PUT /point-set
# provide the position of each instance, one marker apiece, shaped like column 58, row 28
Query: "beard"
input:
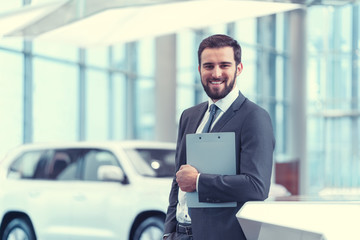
column 217, row 93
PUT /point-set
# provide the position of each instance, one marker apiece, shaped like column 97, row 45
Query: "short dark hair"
column 219, row 41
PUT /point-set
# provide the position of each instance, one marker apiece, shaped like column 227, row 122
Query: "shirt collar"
column 225, row 102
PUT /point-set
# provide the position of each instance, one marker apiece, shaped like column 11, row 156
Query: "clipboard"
column 212, row 153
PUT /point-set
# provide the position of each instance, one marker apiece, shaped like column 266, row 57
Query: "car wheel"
column 150, row 229
column 19, row 229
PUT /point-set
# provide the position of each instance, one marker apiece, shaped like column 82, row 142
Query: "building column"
column 28, row 90
column 82, row 95
column 28, row 93
column 165, row 88
column 297, row 126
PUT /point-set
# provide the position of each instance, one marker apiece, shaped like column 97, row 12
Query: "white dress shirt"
column 182, row 215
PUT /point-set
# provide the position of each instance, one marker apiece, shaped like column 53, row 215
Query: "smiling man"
column 218, row 71
column 220, row 64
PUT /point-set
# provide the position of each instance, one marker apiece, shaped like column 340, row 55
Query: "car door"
column 38, row 194
column 96, row 213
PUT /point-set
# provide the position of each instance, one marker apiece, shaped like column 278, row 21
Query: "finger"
column 178, row 178
column 178, row 174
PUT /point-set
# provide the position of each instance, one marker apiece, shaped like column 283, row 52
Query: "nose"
column 217, row 72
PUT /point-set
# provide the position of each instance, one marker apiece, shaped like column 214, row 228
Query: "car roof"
column 100, row 144
column 110, row 145
column 106, row 145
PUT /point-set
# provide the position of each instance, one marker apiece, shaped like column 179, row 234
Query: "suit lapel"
column 235, row 106
column 198, row 115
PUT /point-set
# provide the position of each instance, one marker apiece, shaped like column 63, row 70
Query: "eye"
column 225, row 65
column 208, row 67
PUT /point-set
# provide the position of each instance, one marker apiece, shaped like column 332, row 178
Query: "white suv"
column 85, row 191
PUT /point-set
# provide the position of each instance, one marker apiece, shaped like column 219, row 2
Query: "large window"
column 55, row 102
column 97, row 105
column 333, row 87
column 118, row 119
column 145, row 90
column 11, row 100
column 11, row 88
column 187, row 74
column 58, row 92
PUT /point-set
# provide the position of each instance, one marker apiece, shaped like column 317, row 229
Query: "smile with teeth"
column 216, row 82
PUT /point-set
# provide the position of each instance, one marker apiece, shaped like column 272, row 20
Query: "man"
column 220, row 64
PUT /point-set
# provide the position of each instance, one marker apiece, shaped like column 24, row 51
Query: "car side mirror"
column 111, row 173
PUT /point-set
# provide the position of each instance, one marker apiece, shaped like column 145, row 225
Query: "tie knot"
column 213, row 109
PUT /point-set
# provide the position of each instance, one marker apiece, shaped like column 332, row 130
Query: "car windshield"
column 153, row 162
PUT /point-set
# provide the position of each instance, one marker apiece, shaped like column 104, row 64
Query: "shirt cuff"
column 197, row 182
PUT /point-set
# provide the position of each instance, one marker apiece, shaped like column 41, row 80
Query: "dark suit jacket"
column 254, row 153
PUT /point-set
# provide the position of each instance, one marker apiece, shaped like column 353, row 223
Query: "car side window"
column 55, row 164
column 93, row 160
column 25, row 166
column 60, row 166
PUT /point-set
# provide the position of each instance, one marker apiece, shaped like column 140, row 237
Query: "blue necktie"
column 213, row 110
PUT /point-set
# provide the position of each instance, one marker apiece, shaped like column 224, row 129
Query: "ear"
column 199, row 68
column 239, row 69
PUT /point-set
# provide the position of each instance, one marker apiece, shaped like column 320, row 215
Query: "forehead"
column 214, row 55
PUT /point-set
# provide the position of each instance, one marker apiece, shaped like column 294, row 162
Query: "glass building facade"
column 58, row 92
column 333, row 96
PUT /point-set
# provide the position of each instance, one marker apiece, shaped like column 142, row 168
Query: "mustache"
column 217, row 79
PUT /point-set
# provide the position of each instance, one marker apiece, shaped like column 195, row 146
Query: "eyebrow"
column 211, row 63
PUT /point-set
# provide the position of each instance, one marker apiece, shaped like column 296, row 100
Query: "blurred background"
column 301, row 64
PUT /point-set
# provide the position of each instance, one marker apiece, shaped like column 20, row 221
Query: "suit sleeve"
column 170, row 220
column 255, row 152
